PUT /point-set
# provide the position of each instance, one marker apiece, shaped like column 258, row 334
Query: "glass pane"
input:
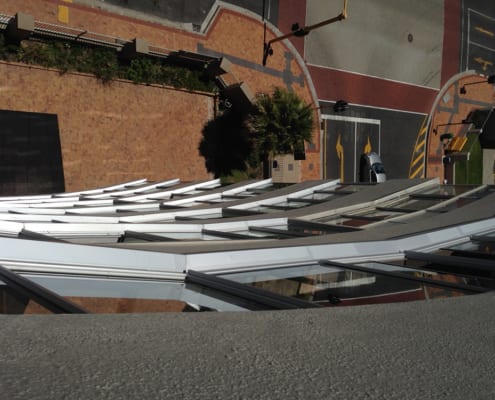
column 349, row 188
column 461, row 202
column 449, row 190
column 416, row 204
column 318, row 196
column 475, row 247
column 107, row 305
column 355, row 221
column 14, row 302
column 436, row 276
column 119, row 295
column 330, row 286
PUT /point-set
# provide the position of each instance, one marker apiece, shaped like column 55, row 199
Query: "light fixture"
column 490, row 80
column 446, row 136
column 340, row 106
column 463, row 122
column 297, row 31
column 334, row 300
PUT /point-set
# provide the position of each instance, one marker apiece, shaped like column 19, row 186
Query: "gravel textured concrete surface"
column 442, row 349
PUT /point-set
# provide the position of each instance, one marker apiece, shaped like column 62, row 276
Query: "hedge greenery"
column 102, row 62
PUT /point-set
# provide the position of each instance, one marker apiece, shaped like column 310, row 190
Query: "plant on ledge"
column 102, row 62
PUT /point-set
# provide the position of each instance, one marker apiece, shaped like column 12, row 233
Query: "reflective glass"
column 418, row 204
column 330, row 286
column 436, row 276
column 121, row 295
column 449, row 190
column 14, row 302
column 319, row 196
column 477, row 246
column 458, row 203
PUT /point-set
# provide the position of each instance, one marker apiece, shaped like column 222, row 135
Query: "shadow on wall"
column 225, row 144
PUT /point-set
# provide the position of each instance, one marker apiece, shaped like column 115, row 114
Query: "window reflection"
column 15, row 302
column 329, row 286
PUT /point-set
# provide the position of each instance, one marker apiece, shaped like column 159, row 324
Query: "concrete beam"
column 219, row 67
column 239, row 93
column 20, row 27
column 137, row 47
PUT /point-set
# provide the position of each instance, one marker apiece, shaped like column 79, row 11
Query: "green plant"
column 143, row 70
column 470, row 171
column 244, row 140
column 234, row 176
column 102, row 62
column 35, row 53
column 281, row 122
column 105, row 64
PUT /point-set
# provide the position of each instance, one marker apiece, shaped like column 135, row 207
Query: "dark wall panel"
column 30, row 154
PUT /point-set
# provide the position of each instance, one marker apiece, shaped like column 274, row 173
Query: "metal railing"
column 63, row 32
column 4, row 21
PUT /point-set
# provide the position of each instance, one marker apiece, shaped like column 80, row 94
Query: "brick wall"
column 113, row 132
column 234, row 35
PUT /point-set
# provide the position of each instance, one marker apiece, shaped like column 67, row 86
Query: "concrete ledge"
column 441, row 349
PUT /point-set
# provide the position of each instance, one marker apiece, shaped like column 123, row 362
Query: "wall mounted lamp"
column 463, row 122
column 490, row 80
column 340, row 106
column 446, row 136
column 297, row 31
